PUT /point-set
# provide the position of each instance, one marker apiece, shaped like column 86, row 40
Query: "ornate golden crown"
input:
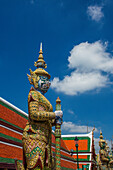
column 101, row 137
column 41, row 65
column 40, row 62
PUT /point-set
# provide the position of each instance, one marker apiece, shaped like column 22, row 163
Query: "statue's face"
column 40, row 83
column 43, row 84
column 103, row 145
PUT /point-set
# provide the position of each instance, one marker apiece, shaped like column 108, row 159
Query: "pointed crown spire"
column 41, row 46
column 40, row 63
column 101, row 137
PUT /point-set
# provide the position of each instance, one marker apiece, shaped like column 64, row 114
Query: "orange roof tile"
column 12, row 117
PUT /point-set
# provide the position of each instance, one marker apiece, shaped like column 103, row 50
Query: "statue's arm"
column 103, row 158
column 35, row 114
column 111, row 162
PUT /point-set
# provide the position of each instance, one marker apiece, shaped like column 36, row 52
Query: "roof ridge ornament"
column 93, row 130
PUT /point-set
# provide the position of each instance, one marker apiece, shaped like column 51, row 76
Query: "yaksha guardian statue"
column 104, row 157
column 37, row 133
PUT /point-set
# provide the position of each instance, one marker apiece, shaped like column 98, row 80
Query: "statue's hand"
column 58, row 116
column 59, row 113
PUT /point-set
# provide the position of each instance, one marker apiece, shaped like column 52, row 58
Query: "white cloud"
column 71, row 112
column 79, row 83
column 88, row 61
column 70, row 127
column 91, row 57
column 95, row 12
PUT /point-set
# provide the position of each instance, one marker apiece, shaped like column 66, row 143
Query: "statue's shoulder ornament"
column 33, row 95
column 45, row 101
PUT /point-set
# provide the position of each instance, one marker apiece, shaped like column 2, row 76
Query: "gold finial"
column 101, row 137
column 58, row 100
column 58, row 104
column 40, row 63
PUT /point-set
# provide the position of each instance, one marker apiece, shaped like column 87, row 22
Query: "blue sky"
column 78, row 49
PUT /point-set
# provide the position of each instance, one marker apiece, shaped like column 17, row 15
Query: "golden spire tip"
column 58, row 100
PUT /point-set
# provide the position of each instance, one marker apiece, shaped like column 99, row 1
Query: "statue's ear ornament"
column 37, row 78
column 31, row 72
column 30, row 79
column 45, row 65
